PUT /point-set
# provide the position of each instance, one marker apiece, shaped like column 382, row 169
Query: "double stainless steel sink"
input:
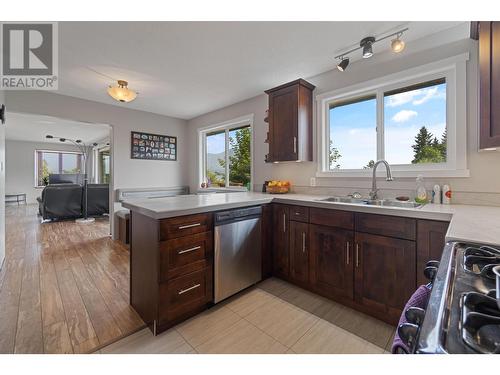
column 372, row 202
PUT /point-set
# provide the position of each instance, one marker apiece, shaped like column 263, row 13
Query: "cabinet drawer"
column 185, row 294
column 299, row 213
column 180, row 256
column 332, row 218
column 185, row 225
column 390, row 226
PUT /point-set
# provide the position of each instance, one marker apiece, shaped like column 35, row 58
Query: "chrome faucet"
column 373, row 192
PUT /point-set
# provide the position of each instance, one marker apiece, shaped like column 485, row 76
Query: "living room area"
column 63, row 166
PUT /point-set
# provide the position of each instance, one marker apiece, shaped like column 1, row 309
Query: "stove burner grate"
column 480, row 322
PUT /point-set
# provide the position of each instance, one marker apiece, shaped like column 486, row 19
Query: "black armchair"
column 98, row 199
column 61, row 201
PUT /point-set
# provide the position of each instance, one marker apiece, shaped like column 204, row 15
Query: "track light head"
column 397, row 44
column 342, row 65
column 62, row 139
column 48, row 136
column 366, row 43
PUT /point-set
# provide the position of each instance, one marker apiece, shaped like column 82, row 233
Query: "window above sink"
column 415, row 119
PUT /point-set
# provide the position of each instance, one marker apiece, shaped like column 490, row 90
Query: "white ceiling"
column 34, row 128
column 185, row 69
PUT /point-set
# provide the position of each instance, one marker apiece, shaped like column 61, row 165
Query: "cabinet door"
column 489, row 78
column 332, row 260
column 430, row 244
column 384, row 272
column 281, row 257
column 283, row 108
column 299, row 252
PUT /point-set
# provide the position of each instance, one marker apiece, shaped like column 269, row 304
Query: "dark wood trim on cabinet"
column 384, row 225
column 290, row 117
column 489, row 82
column 430, row 244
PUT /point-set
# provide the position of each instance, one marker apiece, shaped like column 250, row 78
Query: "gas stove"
column 463, row 315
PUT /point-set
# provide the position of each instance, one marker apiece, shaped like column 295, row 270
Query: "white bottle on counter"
column 446, row 194
column 436, row 194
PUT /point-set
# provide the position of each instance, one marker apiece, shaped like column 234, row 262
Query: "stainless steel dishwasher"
column 238, row 251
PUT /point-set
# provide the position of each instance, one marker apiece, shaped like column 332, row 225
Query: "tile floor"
column 272, row 317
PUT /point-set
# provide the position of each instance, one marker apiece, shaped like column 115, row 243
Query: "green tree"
column 45, row 173
column 423, row 138
column 431, row 154
column 334, row 156
column 240, row 158
column 370, row 165
column 443, row 144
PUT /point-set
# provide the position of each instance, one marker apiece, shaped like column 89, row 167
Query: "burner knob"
column 432, row 263
column 408, row 334
column 430, row 272
column 415, row 315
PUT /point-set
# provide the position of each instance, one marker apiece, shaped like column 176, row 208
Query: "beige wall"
column 127, row 172
column 20, row 166
column 2, row 186
column 483, row 179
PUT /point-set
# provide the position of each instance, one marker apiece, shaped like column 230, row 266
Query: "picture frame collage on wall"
column 149, row 146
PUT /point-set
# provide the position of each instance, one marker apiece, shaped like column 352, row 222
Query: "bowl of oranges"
column 278, row 187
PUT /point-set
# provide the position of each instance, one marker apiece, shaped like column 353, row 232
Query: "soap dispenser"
column 421, row 193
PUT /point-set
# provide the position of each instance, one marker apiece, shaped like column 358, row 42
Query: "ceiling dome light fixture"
column 121, row 92
column 366, row 44
column 397, row 44
column 342, row 65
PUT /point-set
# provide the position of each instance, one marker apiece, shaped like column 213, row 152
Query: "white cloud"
column 404, row 115
column 427, row 95
column 402, row 98
column 416, row 97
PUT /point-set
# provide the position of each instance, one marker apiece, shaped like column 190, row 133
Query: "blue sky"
column 352, row 127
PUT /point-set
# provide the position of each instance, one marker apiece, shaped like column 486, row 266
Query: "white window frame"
column 53, row 152
column 226, row 126
column 453, row 69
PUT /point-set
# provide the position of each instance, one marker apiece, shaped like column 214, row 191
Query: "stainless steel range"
column 463, row 313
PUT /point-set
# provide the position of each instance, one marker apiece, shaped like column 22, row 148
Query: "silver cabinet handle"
column 284, row 222
column 303, row 242
column 190, row 226
column 357, row 255
column 295, row 145
column 347, row 251
column 188, row 289
column 189, row 250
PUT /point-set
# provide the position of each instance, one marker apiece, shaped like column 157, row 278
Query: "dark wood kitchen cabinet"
column 171, row 268
column 489, row 82
column 430, row 244
column 299, row 252
column 384, row 272
column 281, row 240
column 331, row 261
column 290, row 122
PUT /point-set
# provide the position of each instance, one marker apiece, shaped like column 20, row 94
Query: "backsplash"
column 459, row 197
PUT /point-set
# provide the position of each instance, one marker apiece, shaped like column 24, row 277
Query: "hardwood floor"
column 64, row 287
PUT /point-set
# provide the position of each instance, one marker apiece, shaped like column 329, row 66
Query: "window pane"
column 216, row 159
column 239, row 157
column 415, row 124
column 70, row 163
column 353, row 134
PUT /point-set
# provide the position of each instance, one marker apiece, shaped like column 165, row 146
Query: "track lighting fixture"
column 342, row 65
column 397, row 44
column 366, row 44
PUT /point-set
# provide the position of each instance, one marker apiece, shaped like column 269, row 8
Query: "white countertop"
column 467, row 223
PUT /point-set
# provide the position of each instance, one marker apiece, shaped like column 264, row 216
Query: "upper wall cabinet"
column 489, row 80
column 290, row 122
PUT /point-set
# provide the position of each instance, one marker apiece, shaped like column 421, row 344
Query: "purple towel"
column 419, row 299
